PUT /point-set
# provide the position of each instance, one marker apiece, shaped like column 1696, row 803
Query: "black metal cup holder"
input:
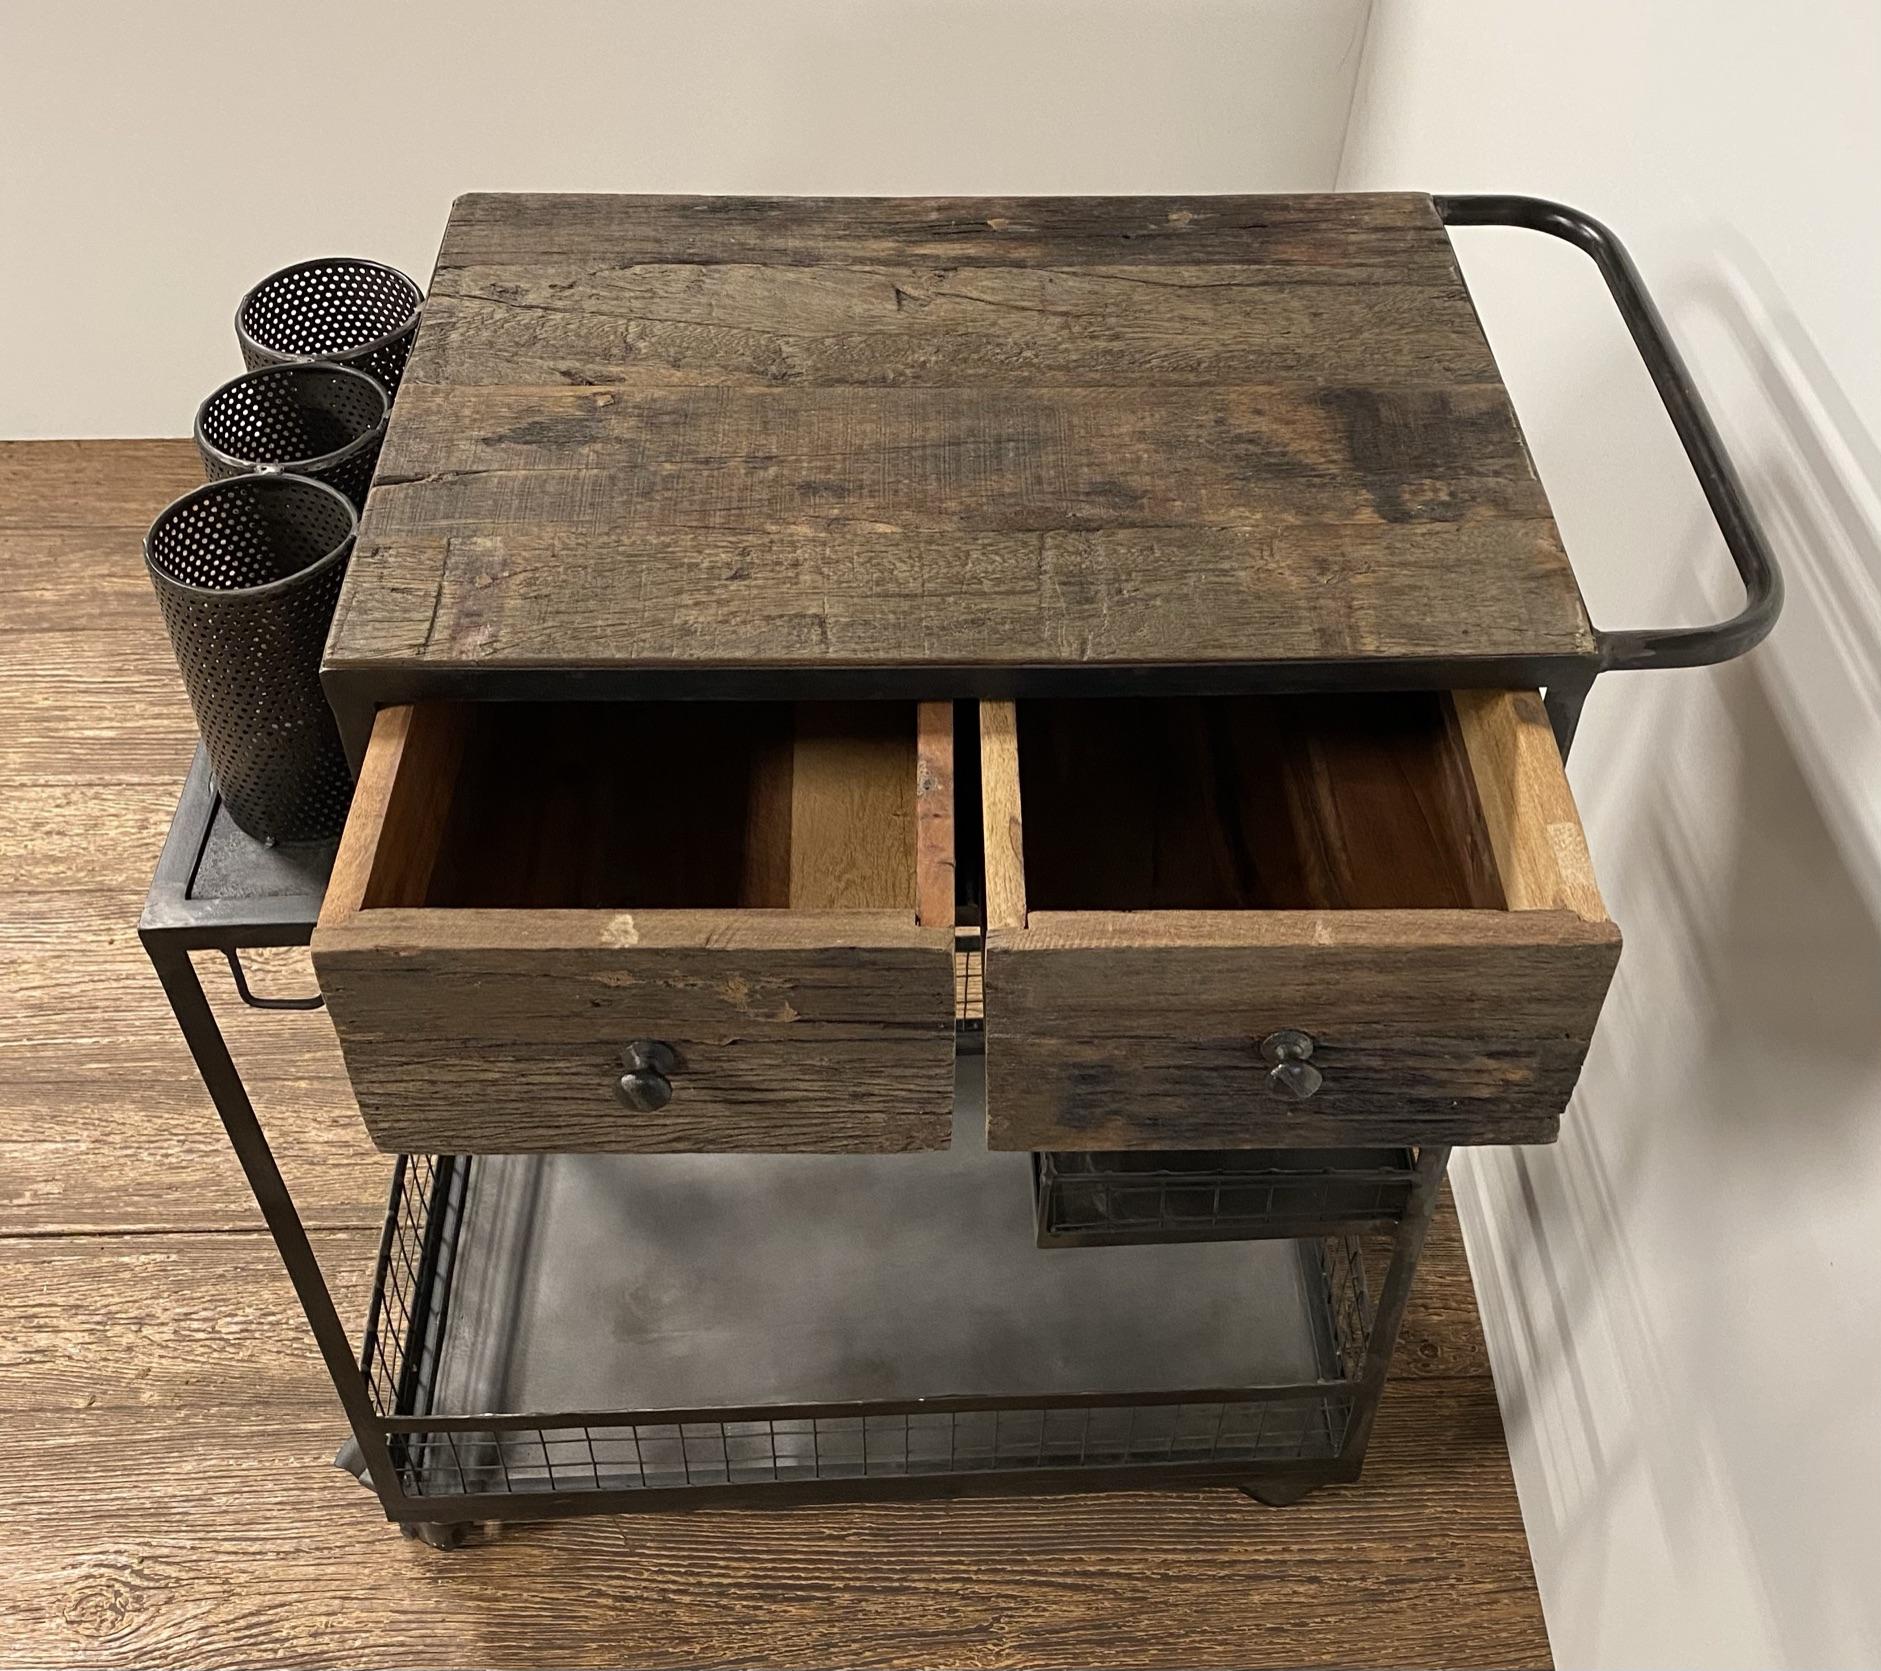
column 318, row 420
column 340, row 309
column 247, row 571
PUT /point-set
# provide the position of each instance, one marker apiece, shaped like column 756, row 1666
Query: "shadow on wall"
column 1823, row 505
column 1699, row 1253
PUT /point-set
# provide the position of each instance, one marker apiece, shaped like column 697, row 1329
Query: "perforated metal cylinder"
column 247, row 571
column 323, row 421
column 338, row 308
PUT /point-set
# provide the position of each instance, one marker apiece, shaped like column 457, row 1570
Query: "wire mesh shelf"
column 632, row 1456
column 1124, row 1198
column 440, row 1455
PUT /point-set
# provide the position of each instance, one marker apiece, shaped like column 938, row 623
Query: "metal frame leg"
column 1394, row 1296
column 223, row 1081
column 1407, row 1248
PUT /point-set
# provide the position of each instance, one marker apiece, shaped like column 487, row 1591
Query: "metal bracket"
column 242, row 991
column 1640, row 648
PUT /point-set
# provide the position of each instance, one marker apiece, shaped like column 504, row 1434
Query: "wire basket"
column 247, row 571
column 440, row 1451
column 323, row 421
column 1149, row 1196
column 338, row 308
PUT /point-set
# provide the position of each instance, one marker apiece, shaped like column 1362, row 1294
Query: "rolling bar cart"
column 1005, row 1190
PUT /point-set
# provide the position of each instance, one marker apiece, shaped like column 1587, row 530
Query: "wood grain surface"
column 1528, row 811
column 680, row 434
column 166, row 1494
column 935, row 892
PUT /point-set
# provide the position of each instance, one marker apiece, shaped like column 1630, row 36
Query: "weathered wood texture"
column 934, row 880
column 802, row 434
column 815, row 1019
column 166, row 1498
column 1330, row 877
column 1265, row 803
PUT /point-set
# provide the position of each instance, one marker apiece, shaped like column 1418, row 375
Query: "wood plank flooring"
column 166, row 1494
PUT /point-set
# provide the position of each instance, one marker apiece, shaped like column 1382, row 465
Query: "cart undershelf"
column 741, row 1320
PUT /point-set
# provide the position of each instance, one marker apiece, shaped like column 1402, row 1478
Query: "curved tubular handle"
column 1743, row 535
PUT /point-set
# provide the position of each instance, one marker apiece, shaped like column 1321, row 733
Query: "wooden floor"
column 166, row 1494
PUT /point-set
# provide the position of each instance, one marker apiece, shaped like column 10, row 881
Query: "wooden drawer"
column 1401, row 879
column 764, row 890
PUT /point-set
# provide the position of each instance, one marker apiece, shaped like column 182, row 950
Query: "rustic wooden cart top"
column 965, row 441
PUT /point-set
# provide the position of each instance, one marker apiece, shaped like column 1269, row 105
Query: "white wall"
column 158, row 159
column 1684, row 1296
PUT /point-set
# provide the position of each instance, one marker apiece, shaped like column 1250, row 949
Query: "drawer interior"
column 656, row 805
column 1262, row 803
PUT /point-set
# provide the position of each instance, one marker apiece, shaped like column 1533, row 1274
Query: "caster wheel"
column 438, row 1534
column 1277, row 1494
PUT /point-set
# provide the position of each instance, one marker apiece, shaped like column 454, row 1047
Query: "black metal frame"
column 356, row 693
column 179, row 919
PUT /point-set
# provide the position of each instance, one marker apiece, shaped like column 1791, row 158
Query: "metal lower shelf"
column 678, row 1322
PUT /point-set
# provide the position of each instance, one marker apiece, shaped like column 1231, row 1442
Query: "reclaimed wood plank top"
column 1037, row 433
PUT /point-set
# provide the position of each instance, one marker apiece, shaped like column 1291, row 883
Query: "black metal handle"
column 1743, row 534
column 1290, row 1070
column 645, row 1087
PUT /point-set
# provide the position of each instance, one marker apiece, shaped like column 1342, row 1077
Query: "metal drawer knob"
column 645, row 1087
column 1291, row 1073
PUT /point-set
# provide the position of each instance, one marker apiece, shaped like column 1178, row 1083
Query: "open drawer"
column 1260, row 922
column 648, row 926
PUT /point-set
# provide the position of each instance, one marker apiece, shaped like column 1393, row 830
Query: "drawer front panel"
column 1421, row 1039
column 812, row 1048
